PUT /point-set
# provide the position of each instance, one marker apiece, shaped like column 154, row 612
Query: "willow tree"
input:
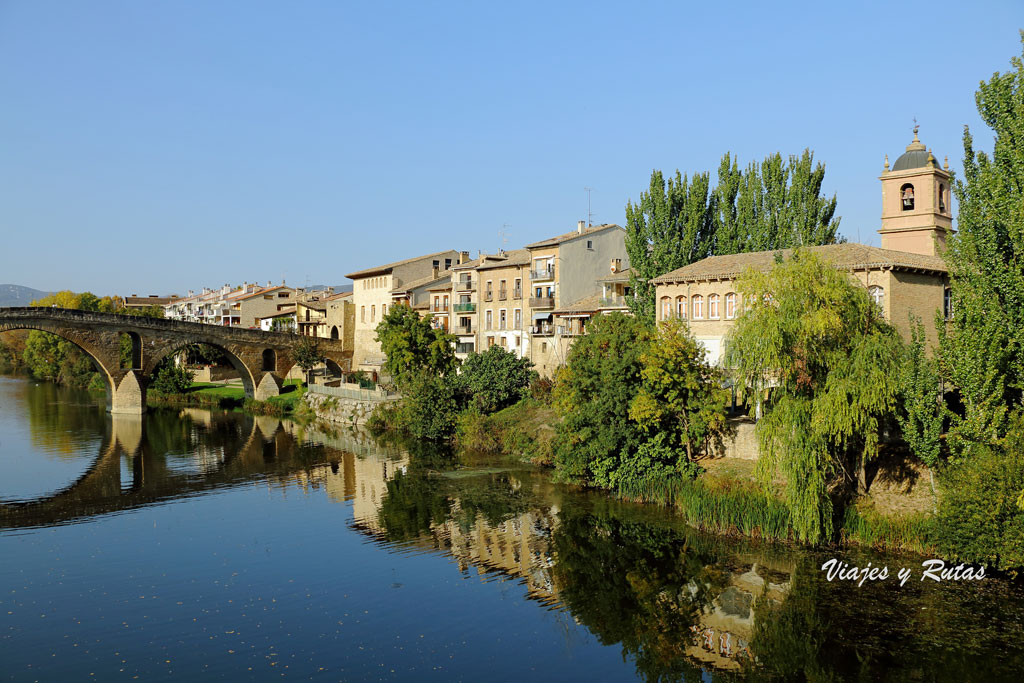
column 982, row 350
column 815, row 348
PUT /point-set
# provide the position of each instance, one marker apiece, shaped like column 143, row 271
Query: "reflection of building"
column 725, row 628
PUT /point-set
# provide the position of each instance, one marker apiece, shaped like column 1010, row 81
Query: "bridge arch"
column 248, row 382
column 99, row 357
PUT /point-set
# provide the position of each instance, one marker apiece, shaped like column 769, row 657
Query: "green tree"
column 308, row 355
column 495, row 379
column 681, row 401
column 411, row 345
column 596, row 440
column 171, row 378
column 670, row 227
column 822, row 346
column 920, row 411
column 982, row 352
column 776, row 204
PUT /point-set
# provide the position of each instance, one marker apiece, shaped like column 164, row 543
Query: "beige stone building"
column 905, row 276
column 504, row 302
column 341, row 318
column 565, row 289
column 372, row 290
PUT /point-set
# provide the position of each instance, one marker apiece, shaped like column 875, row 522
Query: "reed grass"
column 725, row 508
column 917, row 532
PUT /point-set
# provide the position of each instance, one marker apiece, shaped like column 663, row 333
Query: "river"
column 215, row 545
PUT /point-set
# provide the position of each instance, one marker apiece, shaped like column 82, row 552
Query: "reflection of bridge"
column 228, row 452
column 262, row 359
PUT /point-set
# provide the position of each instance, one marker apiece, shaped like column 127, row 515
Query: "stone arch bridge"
column 262, row 359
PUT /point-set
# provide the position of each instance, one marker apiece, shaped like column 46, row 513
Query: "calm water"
column 214, row 545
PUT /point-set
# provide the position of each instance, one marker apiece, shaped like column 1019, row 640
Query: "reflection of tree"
column 636, row 584
column 62, row 420
column 881, row 632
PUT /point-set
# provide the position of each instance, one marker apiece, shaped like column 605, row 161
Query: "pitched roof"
column 588, row 304
column 621, row 276
column 241, row 296
column 389, row 266
column 339, row 295
column 516, row 257
column 572, row 235
column 415, row 284
column 849, row 255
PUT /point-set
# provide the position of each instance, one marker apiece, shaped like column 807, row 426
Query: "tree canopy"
column 982, row 351
column 815, row 343
column 775, row 204
column 412, row 345
column 495, row 379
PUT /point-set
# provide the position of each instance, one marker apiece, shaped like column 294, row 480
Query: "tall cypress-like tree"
column 774, row 204
column 982, row 350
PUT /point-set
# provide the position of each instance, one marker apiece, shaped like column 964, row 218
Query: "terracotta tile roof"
column 849, row 256
column 444, row 275
column 588, row 304
column 572, row 235
column 389, row 266
column 339, row 295
column 443, row 287
column 516, row 257
column 241, row 295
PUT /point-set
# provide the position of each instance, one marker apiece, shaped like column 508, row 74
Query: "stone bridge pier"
column 262, row 359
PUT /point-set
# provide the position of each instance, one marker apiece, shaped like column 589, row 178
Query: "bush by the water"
column 494, row 379
column 172, row 379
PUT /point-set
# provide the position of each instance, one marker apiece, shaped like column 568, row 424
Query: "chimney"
column 616, row 265
column 463, row 256
column 437, row 271
column 580, row 225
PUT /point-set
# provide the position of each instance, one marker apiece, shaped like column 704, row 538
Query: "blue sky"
column 156, row 147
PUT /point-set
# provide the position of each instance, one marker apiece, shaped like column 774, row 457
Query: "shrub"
column 171, row 379
column 494, row 379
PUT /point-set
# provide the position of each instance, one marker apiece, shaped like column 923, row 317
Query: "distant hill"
column 338, row 289
column 16, row 295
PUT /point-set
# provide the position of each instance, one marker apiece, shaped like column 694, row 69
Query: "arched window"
column 713, row 307
column 907, row 197
column 666, row 308
column 947, row 303
column 877, row 295
column 942, row 198
column 698, row 307
column 730, row 306
column 681, row 307
column 334, row 332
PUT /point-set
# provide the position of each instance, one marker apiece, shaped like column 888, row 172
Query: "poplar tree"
column 982, row 349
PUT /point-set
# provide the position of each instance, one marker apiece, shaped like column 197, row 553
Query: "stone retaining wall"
column 741, row 443
column 350, row 411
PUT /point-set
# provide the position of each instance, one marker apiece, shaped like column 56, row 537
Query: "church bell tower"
column 916, row 211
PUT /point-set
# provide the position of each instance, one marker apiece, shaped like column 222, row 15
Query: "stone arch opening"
column 333, row 369
column 269, row 360
column 334, row 332
column 131, row 351
column 105, row 374
column 248, row 383
column 907, row 197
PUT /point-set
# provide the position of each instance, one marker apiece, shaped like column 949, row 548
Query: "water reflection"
column 677, row 604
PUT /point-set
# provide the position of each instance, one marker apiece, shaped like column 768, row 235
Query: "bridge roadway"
column 262, row 359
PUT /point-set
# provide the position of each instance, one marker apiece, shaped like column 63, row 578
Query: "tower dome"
column 916, row 156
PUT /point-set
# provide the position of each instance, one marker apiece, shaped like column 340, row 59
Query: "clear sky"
column 154, row 147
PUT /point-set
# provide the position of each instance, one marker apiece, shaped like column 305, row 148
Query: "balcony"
column 543, row 274
column 464, row 347
column 542, row 302
column 545, row 330
column 464, row 286
column 502, row 295
column 613, row 302
column 439, row 310
column 517, row 294
column 463, row 329
column 488, row 296
column 465, row 308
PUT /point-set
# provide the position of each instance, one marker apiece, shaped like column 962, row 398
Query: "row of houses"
column 535, row 301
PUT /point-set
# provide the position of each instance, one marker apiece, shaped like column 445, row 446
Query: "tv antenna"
column 590, row 214
column 502, row 236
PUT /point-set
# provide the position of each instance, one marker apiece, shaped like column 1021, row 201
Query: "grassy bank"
column 233, row 396
column 522, row 430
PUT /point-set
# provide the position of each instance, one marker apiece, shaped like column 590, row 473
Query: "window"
column 666, row 308
column 590, row 244
column 437, row 303
column 362, row 314
column 283, row 295
column 543, row 347
column 490, row 342
column 517, row 319
column 517, row 291
column 877, row 295
column 446, row 302
column 698, row 307
column 713, row 307
column 907, row 197
column 501, row 319
column 504, row 341
column 268, row 297
column 447, row 264
column 373, row 313
column 437, row 264
column 730, row 306
column 488, row 318
column 947, row 303
column 681, row 307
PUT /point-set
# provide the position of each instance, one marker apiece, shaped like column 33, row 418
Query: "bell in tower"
column 915, row 202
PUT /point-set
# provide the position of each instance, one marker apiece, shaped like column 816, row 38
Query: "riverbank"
column 227, row 396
